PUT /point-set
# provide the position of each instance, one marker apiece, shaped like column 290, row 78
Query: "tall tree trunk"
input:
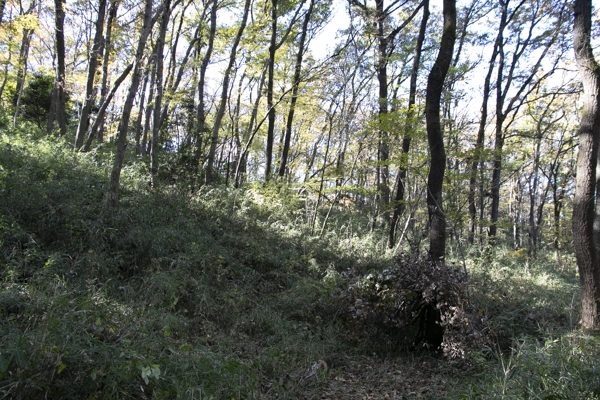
column 59, row 99
column 584, row 227
column 97, row 130
column 209, row 174
column 201, row 127
column 115, row 175
column 22, row 70
column 100, row 118
column 270, row 84
column 295, row 87
column 22, row 63
column 383, row 149
column 435, row 179
column 2, row 5
column 96, row 53
column 409, row 128
column 240, row 169
column 158, row 93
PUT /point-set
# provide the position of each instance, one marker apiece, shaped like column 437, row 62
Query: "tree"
column 95, row 55
column 115, row 175
column 409, row 127
column 295, row 87
column 209, row 175
column 385, row 44
column 274, row 45
column 586, row 217
column 159, row 88
column 58, row 108
column 435, row 179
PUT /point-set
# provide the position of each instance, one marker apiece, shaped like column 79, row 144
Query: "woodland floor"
column 223, row 294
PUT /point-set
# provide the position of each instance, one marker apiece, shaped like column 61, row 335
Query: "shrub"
column 415, row 301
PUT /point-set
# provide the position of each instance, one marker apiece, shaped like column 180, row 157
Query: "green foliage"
column 225, row 293
column 36, row 99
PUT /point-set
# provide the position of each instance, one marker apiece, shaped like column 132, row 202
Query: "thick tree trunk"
column 585, row 182
column 59, row 99
column 435, row 179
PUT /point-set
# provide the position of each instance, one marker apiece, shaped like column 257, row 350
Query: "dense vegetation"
column 226, row 293
column 219, row 199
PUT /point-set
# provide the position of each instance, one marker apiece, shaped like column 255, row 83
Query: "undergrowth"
column 231, row 293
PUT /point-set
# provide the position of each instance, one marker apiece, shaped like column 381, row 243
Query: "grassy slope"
column 225, row 295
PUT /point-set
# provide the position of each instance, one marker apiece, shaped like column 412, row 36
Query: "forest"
column 299, row 199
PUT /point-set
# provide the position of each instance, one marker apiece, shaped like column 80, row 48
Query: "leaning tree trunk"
column 210, row 174
column 95, row 54
column 295, row 88
column 585, row 182
column 115, row 175
column 435, row 179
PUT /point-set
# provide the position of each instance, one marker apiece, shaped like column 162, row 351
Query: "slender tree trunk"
column 22, row 70
column 115, row 175
column 240, row 170
column 383, row 150
column 270, row 84
column 158, row 94
column 201, row 128
column 97, row 130
column 295, row 87
column 60, row 95
column 95, row 55
column 100, row 118
column 22, row 64
column 209, row 174
column 584, row 216
column 139, row 126
column 410, row 125
column 435, row 179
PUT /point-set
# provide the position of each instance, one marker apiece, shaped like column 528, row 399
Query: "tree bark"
column 201, row 127
column 409, row 128
column 115, row 175
column 435, row 179
column 295, row 87
column 270, row 84
column 158, row 93
column 96, row 53
column 59, row 99
column 209, row 174
column 100, row 118
column 585, row 182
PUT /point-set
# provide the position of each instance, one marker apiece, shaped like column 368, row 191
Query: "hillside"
column 228, row 293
